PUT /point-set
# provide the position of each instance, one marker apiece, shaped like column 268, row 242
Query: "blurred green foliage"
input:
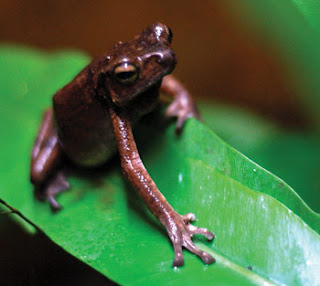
column 291, row 30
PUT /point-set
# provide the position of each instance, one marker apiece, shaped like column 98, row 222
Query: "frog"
column 92, row 119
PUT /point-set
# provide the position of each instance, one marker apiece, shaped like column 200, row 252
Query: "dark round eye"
column 126, row 73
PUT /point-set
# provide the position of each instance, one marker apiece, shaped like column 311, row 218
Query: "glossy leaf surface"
column 291, row 155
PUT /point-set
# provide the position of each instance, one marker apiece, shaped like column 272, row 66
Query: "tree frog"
column 92, row 117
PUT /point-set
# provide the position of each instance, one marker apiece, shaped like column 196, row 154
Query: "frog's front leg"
column 46, row 157
column 183, row 106
column 178, row 227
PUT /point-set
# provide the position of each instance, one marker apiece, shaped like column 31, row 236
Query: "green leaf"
column 259, row 220
column 310, row 10
column 291, row 155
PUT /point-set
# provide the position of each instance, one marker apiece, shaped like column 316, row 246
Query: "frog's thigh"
column 46, row 152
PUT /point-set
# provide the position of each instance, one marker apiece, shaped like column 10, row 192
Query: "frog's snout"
column 167, row 58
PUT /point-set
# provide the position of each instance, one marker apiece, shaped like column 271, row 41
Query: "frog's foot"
column 181, row 231
column 55, row 185
column 182, row 109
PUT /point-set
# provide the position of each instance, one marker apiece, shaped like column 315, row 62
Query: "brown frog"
column 92, row 119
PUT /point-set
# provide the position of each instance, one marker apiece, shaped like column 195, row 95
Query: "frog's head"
column 132, row 68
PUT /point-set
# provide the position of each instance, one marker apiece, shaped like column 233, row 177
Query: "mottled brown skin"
column 92, row 118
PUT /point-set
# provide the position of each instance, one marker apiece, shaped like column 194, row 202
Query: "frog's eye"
column 126, row 73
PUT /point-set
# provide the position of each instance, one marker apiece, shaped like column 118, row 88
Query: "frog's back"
column 83, row 124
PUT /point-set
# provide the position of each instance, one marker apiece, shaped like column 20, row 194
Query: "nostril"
column 164, row 58
column 159, row 57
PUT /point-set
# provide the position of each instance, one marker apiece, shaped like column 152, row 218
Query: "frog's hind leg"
column 46, row 160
